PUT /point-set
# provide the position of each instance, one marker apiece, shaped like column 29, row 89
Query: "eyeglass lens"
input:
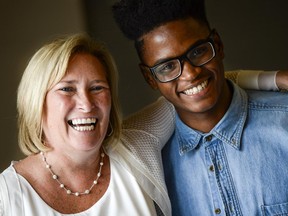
column 172, row 69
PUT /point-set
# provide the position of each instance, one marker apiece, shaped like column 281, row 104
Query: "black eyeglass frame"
column 183, row 57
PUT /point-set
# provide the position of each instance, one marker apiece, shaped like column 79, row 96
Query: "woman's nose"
column 86, row 102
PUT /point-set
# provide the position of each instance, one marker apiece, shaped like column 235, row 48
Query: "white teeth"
column 85, row 124
column 196, row 89
column 84, row 128
column 83, row 121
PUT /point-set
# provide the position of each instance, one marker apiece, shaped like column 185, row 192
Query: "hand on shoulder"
column 282, row 79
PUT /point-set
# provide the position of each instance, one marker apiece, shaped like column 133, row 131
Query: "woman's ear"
column 218, row 45
column 148, row 76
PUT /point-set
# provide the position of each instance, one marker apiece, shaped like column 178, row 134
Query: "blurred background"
column 254, row 35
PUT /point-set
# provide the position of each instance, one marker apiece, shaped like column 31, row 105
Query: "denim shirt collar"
column 229, row 129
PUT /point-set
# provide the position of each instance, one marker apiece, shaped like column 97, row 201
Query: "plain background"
column 254, row 35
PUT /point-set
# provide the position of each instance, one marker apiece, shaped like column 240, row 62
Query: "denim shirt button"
column 208, row 138
column 218, row 211
column 211, row 168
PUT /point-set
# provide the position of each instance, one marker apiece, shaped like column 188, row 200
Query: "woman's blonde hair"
column 46, row 68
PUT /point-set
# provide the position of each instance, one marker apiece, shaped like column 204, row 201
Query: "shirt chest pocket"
column 275, row 210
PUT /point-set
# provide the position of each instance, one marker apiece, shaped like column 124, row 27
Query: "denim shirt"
column 239, row 168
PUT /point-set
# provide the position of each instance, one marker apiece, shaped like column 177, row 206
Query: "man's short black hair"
column 138, row 17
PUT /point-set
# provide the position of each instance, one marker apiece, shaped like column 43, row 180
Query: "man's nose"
column 189, row 72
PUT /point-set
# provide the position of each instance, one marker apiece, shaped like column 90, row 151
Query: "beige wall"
column 25, row 26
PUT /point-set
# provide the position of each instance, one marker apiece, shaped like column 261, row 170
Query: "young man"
column 229, row 152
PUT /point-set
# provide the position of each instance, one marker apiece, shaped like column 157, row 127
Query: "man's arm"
column 282, row 79
column 259, row 80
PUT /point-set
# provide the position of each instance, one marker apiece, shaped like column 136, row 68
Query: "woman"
column 69, row 124
column 79, row 160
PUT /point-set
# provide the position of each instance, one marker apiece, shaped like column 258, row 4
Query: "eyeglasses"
column 197, row 55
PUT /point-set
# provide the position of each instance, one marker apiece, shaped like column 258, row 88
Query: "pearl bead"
column 55, row 177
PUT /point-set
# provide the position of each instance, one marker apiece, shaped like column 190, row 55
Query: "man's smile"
column 196, row 89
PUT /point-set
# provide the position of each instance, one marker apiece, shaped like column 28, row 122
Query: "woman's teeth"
column 85, row 124
column 84, row 121
column 84, row 128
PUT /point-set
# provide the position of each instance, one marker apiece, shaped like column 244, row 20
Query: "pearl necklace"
column 68, row 191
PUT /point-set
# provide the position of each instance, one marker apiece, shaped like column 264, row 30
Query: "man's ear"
column 219, row 45
column 148, row 76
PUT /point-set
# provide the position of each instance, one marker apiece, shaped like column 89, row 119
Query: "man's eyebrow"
column 163, row 60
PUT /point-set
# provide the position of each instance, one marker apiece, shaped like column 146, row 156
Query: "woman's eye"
column 97, row 88
column 67, row 89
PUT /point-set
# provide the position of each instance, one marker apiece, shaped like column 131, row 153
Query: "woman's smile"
column 83, row 124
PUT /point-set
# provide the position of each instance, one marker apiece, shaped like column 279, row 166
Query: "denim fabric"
column 239, row 168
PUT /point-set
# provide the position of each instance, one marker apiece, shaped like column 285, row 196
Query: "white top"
column 124, row 196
